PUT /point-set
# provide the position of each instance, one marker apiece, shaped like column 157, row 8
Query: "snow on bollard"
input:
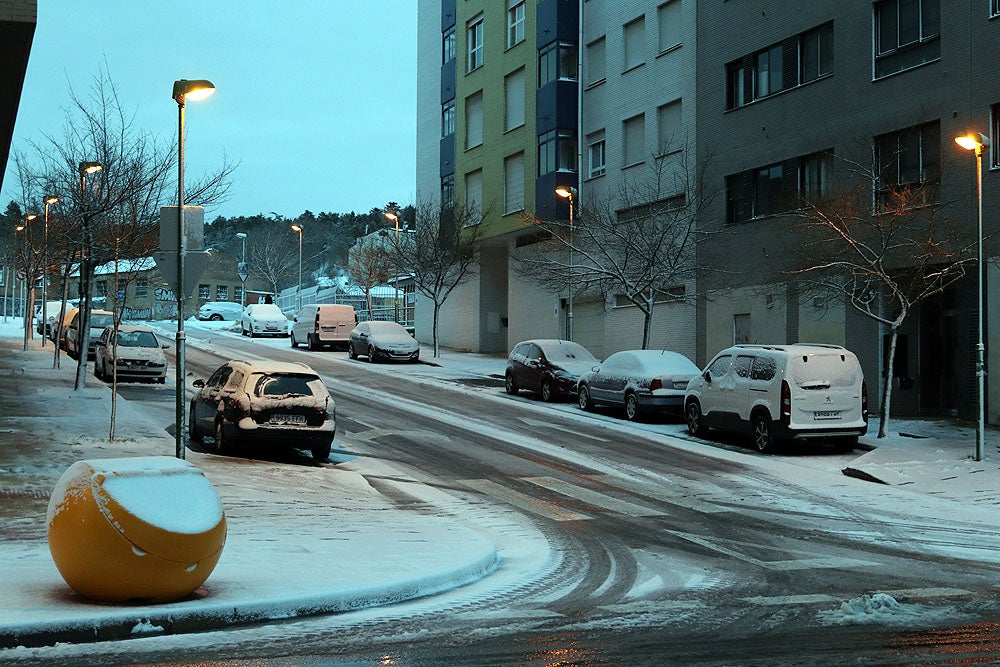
column 149, row 527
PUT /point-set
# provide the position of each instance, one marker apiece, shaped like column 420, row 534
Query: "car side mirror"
column 708, row 376
column 198, row 383
column 165, row 346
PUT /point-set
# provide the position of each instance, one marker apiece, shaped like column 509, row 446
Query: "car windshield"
column 285, row 384
column 379, row 327
column 268, row 310
column 567, row 351
column 136, row 339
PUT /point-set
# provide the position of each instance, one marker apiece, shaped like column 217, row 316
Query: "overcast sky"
column 315, row 98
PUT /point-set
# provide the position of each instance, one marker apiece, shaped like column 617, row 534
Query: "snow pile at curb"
column 878, row 608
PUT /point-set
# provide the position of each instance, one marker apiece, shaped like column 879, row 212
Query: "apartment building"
column 789, row 94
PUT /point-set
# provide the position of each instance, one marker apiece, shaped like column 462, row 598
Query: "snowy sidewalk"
column 301, row 540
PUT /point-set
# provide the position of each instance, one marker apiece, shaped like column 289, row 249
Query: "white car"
column 263, row 319
column 220, row 310
column 781, row 393
column 138, row 355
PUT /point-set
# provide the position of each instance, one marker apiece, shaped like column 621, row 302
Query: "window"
column 634, row 41
column 994, row 7
column 596, row 64
column 448, row 46
column 815, row 173
column 669, row 19
column 779, row 187
column 474, row 120
column 908, row 159
column 448, row 190
column 546, row 152
column 238, row 294
column 816, row 53
column 634, row 140
column 141, row 287
column 795, row 61
column 204, row 292
column 514, row 99
column 448, row 118
column 595, row 155
column 222, row 292
column 475, row 37
column 515, row 23
column 567, row 150
column 907, row 34
column 995, row 133
column 513, row 182
column 557, row 61
column 474, row 196
column 102, row 288
column 668, row 132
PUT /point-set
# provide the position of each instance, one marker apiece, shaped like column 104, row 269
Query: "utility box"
column 149, row 528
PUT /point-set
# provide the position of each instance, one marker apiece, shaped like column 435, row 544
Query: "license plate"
column 288, row 419
column 829, row 414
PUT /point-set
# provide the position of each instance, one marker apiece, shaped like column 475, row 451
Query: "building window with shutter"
column 513, row 178
column 474, row 120
column 514, row 84
column 907, row 34
column 634, row 39
column 634, row 140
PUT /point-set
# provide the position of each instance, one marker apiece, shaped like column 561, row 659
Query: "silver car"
column 638, row 381
column 382, row 341
column 138, row 355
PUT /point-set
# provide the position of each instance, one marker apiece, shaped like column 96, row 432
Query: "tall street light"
column 976, row 142
column 298, row 229
column 243, row 262
column 394, row 217
column 197, row 89
column 569, row 193
column 51, row 199
column 84, row 169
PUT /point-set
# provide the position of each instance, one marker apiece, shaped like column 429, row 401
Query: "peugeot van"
column 781, row 393
column 323, row 325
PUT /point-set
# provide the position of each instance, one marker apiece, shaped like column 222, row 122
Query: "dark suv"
column 269, row 401
column 550, row 368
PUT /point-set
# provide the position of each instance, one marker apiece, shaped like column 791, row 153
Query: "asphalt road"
column 657, row 554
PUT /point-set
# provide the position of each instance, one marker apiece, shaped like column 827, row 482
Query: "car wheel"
column 321, row 453
column 243, row 332
column 192, row 427
column 350, row 351
column 311, row 343
column 162, row 380
column 291, row 339
column 763, row 439
column 632, row 410
column 695, row 420
column 510, row 384
column 371, row 354
column 548, row 394
column 221, row 442
column 583, row 398
column 216, row 317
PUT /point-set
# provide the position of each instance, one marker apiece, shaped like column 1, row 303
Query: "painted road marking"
column 594, row 498
column 659, row 493
column 522, row 500
column 821, row 562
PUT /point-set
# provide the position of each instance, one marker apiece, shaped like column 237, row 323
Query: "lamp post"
column 394, row 217
column 569, row 193
column 183, row 90
column 976, row 142
column 298, row 296
column 51, row 199
column 243, row 293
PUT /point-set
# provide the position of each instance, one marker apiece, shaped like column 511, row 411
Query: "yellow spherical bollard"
column 135, row 528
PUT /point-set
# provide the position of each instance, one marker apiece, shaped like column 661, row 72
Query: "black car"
column 383, row 341
column 550, row 368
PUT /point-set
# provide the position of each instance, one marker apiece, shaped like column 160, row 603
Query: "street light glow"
column 197, row 89
column 90, row 167
column 972, row 141
column 566, row 192
column 51, row 199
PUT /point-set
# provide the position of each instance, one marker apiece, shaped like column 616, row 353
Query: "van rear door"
column 827, row 389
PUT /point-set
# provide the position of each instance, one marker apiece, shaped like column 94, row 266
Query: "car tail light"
column 864, row 400
column 316, row 323
column 786, row 402
column 655, row 384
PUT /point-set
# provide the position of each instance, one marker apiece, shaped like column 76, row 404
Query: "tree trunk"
column 437, row 310
column 883, row 421
column 29, row 311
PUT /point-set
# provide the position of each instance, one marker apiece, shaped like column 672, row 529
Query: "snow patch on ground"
column 883, row 609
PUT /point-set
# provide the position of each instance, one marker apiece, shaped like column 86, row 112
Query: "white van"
column 781, row 393
column 323, row 324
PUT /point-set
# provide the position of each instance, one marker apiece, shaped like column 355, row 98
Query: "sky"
column 315, row 99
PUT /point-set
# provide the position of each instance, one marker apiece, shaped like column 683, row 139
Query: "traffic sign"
column 243, row 270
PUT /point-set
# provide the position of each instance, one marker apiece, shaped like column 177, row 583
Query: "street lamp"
column 197, row 89
column 394, row 217
column 567, row 192
column 243, row 293
column 51, row 199
column 298, row 229
column 976, row 142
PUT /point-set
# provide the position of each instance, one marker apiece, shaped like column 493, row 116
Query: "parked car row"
column 774, row 393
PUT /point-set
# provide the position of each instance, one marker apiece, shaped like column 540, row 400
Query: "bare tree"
column 370, row 264
column 273, row 253
column 441, row 253
column 639, row 243
column 882, row 245
column 135, row 179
